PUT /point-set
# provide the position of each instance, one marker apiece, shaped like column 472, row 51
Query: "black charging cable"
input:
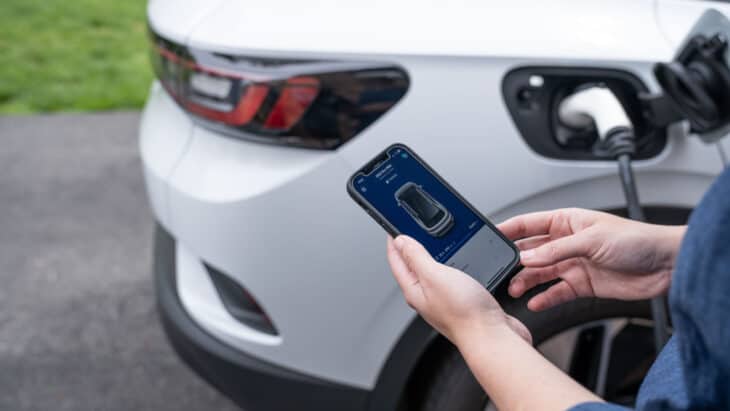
column 621, row 144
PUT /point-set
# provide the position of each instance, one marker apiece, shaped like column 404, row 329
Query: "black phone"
column 406, row 196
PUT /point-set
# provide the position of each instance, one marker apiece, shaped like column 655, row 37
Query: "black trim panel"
column 251, row 383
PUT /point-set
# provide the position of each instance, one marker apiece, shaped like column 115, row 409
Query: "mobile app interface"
column 419, row 205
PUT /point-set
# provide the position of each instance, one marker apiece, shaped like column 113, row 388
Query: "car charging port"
column 533, row 96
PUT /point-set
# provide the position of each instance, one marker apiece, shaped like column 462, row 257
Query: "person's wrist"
column 484, row 331
column 677, row 235
column 671, row 240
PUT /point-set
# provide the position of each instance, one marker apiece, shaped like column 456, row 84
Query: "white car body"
column 278, row 219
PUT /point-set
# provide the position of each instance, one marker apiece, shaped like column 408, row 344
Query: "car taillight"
column 307, row 103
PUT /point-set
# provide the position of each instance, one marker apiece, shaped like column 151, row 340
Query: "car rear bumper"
column 251, row 383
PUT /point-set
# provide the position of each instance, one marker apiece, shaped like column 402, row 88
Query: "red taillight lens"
column 224, row 97
column 307, row 103
column 248, row 105
column 295, row 98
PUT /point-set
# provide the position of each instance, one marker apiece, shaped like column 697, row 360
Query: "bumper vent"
column 240, row 303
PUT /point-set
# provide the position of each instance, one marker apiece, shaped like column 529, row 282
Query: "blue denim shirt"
column 693, row 369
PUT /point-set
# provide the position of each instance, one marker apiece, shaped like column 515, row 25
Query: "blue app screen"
column 413, row 200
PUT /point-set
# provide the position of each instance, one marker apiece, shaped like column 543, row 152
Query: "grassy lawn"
column 72, row 55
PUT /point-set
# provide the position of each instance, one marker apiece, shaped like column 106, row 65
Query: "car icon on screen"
column 433, row 217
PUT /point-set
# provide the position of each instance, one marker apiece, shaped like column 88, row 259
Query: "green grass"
column 72, row 55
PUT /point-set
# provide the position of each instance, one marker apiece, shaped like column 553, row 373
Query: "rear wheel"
column 607, row 346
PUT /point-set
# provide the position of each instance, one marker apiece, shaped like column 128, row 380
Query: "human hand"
column 454, row 303
column 595, row 254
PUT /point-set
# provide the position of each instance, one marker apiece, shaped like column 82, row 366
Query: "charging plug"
column 596, row 104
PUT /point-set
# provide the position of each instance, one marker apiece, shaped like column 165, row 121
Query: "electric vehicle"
column 430, row 215
column 272, row 284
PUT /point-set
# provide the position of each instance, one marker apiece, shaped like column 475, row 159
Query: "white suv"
column 272, row 282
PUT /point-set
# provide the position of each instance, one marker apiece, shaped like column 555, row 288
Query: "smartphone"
column 406, row 196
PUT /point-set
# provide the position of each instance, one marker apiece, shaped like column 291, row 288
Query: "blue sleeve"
column 700, row 303
column 598, row 406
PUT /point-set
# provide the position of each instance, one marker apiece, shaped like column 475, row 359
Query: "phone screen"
column 415, row 201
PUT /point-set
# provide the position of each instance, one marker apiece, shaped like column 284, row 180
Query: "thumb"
column 555, row 251
column 415, row 255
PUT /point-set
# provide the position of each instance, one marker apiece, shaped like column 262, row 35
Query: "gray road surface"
column 78, row 326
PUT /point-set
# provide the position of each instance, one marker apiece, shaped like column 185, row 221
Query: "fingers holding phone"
column 592, row 254
column 451, row 301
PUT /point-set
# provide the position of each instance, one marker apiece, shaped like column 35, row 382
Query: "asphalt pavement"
column 78, row 324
